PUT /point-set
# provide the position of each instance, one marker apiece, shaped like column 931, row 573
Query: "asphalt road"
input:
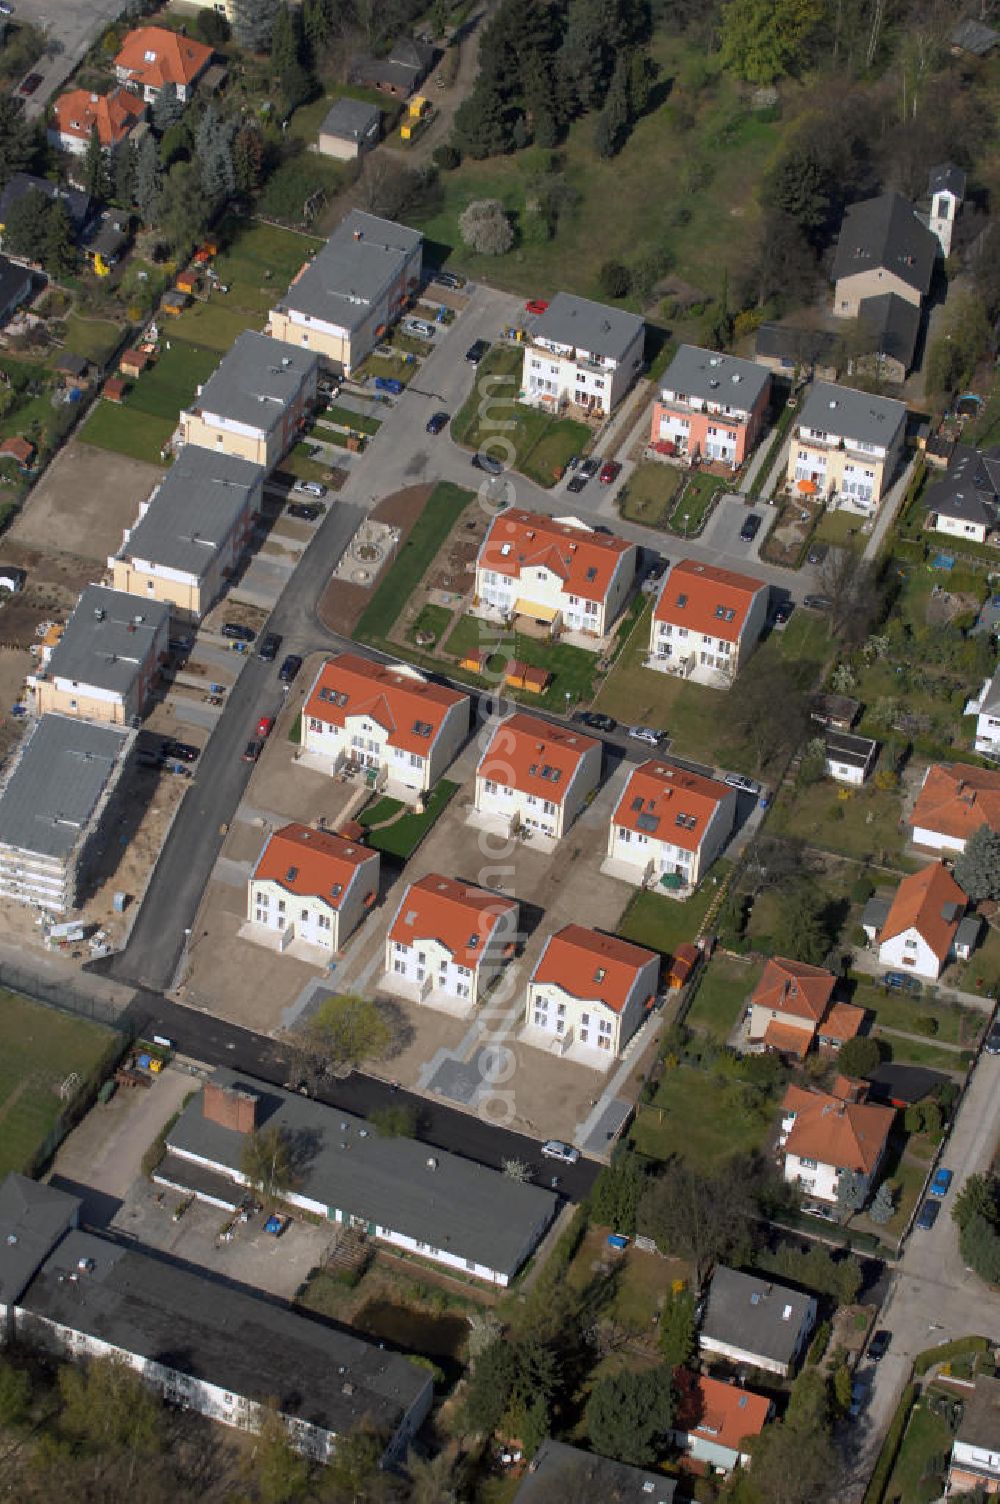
column 70, row 27
column 214, row 1042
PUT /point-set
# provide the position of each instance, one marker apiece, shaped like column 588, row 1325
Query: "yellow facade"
column 190, row 599
column 195, row 430
column 321, row 342
column 49, row 698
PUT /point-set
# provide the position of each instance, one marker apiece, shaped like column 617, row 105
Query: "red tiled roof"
column 534, row 756
column 156, row 56
column 311, row 863
column 585, row 561
column 841, row 1022
column 924, row 902
column 400, row 702
column 658, row 794
column 787, row 1039
column 956, row 799
column 591, row 966
column 77, row 112
column 722, row 1413
column 21, row 450
column 794, row 987
column 850, row 1135
column 460, row 917
column 707, row 600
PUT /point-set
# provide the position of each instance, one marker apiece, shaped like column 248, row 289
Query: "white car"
column 737, row 781
column 420, row 328
column 647, row 734
column 309, row 488
column 554, row 1148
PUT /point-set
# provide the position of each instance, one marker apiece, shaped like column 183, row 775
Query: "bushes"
column 819, row 1344
column 446, row 157
column 949, row 1350
column 890, row 1447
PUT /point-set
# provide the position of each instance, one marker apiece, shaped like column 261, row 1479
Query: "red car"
column 610, row 472
column 537, row 305
column 265, row 726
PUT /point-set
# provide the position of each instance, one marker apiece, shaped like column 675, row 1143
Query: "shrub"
column 862, row 889
column 925, row 1023
column 212, row 28
column 485, row 227
column 614, row 279
column 446, row 157
column 819, row 1344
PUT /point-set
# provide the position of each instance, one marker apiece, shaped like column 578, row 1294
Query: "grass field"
column 664, row 923
column 39, row 1049
column 167, row 387
column 572, row 668
column 956, row 1025
column 918, row 1474
column 94, row 339
column 433, row 621
column 126, row 430
column 649, row 493
column 542, row 444
column 404, row 836
column 256, row 263
column 444, row 506
column 694, row 504
column 722, row 994
column 700, row 1117
column 863, row 824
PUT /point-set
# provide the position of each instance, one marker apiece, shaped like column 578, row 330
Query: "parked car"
column 237, row 632
column 289, row 668
column 750, row 528
column 252, row 750
column 992, row 1045
column 536, row 306
column 576, row 484
column 610, row 472
column 476, row 351
column 420, row 328
column 5, row 8
column 928, row 1215
column 30, row 84
column 554, row 1148
column 783, row 612
column 572, row 462
column 487, row 462
column 819, row 1209
column 265, row 726
column 304, row 511
column 817, row 602
column 859, row 1394
column 879, row 1345
column 818, row 553
column 941, row 1183
column 590, row 467
column 179, row 751
column 647, row 734
column 310, row 488
column 898, row 981
column 388, row 384
column 448, row 279
column 737, row 781
column 268, row 646
column 180, row 645
column 596, row 721
column 436, row 422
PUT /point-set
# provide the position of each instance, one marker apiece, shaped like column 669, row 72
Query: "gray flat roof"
column 848, row 414
column 244, row 1344
column 359, row 263
column 194, row 511
column 593, row 327
column 57, row 782
column 256, row 381
column 748, row 1311
column 350, row 119
column 456, row 1205
column 849, row 748
column 33, row 1217
column 107, row 639
column 715, row 378
column 565, row 1472
column 895, row 323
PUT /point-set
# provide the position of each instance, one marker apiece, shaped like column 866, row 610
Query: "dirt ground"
column 343, row 603
column 795, row 521
column 945, row 605
column 84, row 502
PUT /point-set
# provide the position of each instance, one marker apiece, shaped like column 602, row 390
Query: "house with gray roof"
column 350, row 128
column 965, row 503
column 986, row 708
column 846, row 446
column 33, row 1218
column 751, row 1319
column 107, row 661
column 192, row 531
column 891, row 328
column 711, row 406
column 444, row 1208
column 401, row 73
column 343, row 301
column 255, row 403
column 559, row 1471
column 882, row 247
column 974, row 38
column 578, row 353
column 53, row 805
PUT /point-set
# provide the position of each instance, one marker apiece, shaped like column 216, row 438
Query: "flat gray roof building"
column 353, row 272
column 847, row 414
column 58, row 782
column 593, row 327
column 194, row 510
column 33, row 1217
column 566, row 1472
column 403, row 1191
column 108, row 640
column 256, row 382
column 714, row 377
column 751, row 1314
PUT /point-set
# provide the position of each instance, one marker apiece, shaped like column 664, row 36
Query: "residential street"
column 71, row 26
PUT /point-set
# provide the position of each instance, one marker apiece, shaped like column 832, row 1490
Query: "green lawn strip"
column 300, row 463
column 432, row 621
column 916, row 1052
column 693, row 504
column 778, row 436
column 956, row 1025
column 218, row 323
column 721, row 995
column 648, row 494
column 168, row 386
column 572, row 668
column 864, row 824
column 838, row 528
column 445, row 505
column 94, row 339
column 557, row 444
column 488, row 407
column 981, row 973
column 138, row 435
column 295, row 180
column 395, row 367
column 343, row 416
column 39, row 1049
column 922, row 1460
column 700, row 1116
column 402, row 838
column 662, row 923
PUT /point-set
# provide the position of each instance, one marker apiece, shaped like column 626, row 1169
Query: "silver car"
column 647, row 734
column 554, row 1148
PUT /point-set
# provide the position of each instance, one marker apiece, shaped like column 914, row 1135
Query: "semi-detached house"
column 536, row 775
column 588, row 994
column 581, row 354
column 954, row 801
column 711, row 406
column 343, row 302
column 792, row 1009
column 312, row 886
column 706, row 622
column 447, row 941
column 825, row 1135
column 555, row 570
column 388, row 722
column 669, row 826
column 846, row 445
column 255, row 403
column 924, row 927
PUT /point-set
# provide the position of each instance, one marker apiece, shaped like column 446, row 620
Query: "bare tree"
column 848, row 582
column 485, row 227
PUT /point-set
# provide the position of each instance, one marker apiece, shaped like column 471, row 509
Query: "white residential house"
column 965, row 502
column 448, row 941
column 849, row 758
column 986, row 708
column 706, row 622
column 751, row 1319
column 923, row 928
column 589, row 993
column 581, row 353
column 537, row 775
column 669, row 826
column 846, row 446
column 555, row 570
column 387, row 720
column 824, row 1134
column 975, row 1452
column 311, row 885
column 954, row 800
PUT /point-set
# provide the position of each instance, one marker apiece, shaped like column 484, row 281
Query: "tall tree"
column 59, row 253
column 253, row 22
column 705, row 1219
column 248, row 157
column 629, row 1415
column 616, row 1193
column 849, row 585
column 27, row 224
column 977, row 868
column 802, row 927
column 268, row 1162
column 284, row 41
column 148, row 181
column 677, row 1332
column 17, row 143
column 214, row 157
column 107, row 1407
column 277, row 1473
column 95, row 167
column 764, row 39
column 183, row 211
column 167, row 108
column 342, row 1032
column 123, row 187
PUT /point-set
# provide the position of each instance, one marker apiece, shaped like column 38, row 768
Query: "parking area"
column 84, row 502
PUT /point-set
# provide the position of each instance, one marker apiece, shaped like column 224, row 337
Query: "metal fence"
column 69, row 998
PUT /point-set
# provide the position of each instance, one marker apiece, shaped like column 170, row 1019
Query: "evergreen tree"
column 148, row 181
column 167, row 108
column 284, row 42
column 95, row 167
column 977, row 868
column 214, row 157
column 183, row 209
column 26, row 227
column 629, row 1415
column 124, row 174
column 617, row 1191
column 612, row 125
column 678, row 1339
column 317, row 26
column 850, row 1194
column 883, row 1205
column 253, row 23
column 248, row 157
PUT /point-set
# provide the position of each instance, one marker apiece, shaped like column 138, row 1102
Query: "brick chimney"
column 229, row 1107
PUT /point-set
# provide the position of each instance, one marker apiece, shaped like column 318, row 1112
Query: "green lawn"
column 343, row 416
column 558, row 442
column 572, row 668
column 920, row 1468
column 699, row 1116
column 861, row 823
column 956, row 1025
column 128, row 431
column 39, row 1049
column 694, row 503
column 919, row 1052
column 663, row 923
column 168, row 386
column 257, row 261
column 542, row 444
column 839, row 528
column 721, row 995
column 94, row 339
column 404, row 836
column 445, row 505
column 432, row 621
column 648, row 494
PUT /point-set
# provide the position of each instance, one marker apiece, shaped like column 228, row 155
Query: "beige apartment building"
column 846, row 446
column 255, row 403
column 107, row 660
